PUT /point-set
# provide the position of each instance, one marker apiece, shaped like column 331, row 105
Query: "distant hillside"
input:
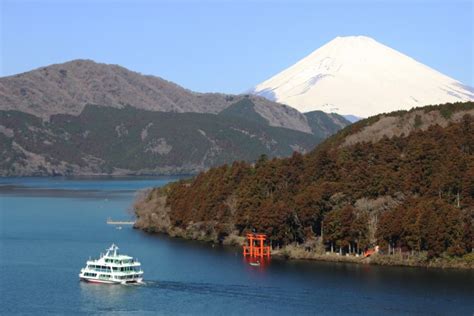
column 403, row 181
column 67, row 88
column 320, row 123
column 106, row 140
column 83, row 117
column 326, row 124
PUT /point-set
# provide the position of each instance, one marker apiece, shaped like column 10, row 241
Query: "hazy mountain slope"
column 107, row 140
column 325, row 124
column 400, row 124
column 67, row 88
column 356, row 75
column 244, row 109
column 320, row 123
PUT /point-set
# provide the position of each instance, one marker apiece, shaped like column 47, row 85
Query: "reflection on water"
column 96, row 297
column 104, row 294
column 257, row 264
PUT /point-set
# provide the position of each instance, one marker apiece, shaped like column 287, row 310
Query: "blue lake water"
column 49, row 227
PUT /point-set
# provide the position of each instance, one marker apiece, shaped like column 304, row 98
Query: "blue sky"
column 228, row 46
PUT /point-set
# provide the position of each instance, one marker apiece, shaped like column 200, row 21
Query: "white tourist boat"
column 112, row 268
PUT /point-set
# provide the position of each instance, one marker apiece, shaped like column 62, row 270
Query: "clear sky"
column 228, row 46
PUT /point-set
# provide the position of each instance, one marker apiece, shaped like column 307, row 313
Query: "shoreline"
column 292, row 252
column 153, row 216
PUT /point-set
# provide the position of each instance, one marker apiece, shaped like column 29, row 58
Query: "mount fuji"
column 359, row 76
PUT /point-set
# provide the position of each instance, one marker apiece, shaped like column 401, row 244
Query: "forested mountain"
column 86, row 118
column 403, row 181
column 105, row 140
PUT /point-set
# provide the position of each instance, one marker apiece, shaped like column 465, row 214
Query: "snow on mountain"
column 357, row 75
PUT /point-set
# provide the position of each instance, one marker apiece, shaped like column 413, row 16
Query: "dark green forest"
column 406, row 194
column 105, row 140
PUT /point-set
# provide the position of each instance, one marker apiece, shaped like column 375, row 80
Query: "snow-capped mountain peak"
column 359, row 76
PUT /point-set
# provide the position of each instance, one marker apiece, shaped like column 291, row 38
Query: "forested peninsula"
column 402, row 182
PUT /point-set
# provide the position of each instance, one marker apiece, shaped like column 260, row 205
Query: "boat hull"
column 100, row 281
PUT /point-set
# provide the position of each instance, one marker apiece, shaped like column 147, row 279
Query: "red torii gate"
column 255, row 246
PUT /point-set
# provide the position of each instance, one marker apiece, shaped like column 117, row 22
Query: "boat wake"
column 263, row 293
column 135, row 284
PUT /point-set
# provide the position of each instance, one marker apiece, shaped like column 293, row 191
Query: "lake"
column 49, row 227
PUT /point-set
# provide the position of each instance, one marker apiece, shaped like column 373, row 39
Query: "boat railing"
column 99, row 270
column 132, row 263
column 115, row 271
column 129, row 272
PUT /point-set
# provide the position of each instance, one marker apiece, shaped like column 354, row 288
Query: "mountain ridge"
column 67, row 87
column 46, row 126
